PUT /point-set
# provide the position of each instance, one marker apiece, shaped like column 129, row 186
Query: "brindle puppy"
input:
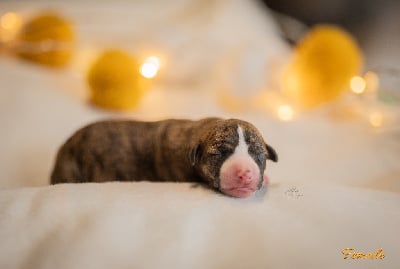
column 230, row 155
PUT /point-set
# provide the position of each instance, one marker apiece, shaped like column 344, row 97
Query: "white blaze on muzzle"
column 239, row 174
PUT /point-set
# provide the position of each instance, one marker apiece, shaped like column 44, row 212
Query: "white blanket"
column 335, row 186
column 154, row 225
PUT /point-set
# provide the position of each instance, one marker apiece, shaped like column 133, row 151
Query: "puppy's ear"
column 195, row 153
column 271, row 153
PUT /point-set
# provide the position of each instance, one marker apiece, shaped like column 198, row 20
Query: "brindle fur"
column 169, row 150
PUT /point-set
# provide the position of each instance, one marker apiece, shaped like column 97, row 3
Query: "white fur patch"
column 242, row 147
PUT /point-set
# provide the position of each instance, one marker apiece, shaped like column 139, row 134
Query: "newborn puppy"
column 230, row 155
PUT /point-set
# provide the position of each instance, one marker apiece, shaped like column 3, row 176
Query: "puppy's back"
column 91, row 153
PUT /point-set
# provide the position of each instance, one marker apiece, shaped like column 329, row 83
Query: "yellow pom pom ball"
column 46, row 39
column 323, row 64
column 115, row 81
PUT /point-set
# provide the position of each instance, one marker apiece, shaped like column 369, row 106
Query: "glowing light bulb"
column 285, row 113
column 358, row 84
column 150, row 67
column 10, row 20
column 10, row 23
column 376, row 119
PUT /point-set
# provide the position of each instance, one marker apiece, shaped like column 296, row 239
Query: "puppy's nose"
column 244, row 176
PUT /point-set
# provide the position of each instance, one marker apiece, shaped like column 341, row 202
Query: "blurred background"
column 64, row 64
column 375, row 23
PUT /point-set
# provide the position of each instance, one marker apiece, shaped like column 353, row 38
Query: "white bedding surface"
column 154, row 225
column 336, row 185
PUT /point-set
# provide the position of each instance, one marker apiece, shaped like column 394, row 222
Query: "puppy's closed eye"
column 214, row 153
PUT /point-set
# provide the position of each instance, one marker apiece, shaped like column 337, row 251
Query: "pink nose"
column 244, row 176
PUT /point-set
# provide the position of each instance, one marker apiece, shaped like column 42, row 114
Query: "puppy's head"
column 232, row 157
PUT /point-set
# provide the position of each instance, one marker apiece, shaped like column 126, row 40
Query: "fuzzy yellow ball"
column 46, row 39
column 323, row 64
column 115, row 81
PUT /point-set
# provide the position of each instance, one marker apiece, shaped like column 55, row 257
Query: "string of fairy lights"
column 54, row 51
